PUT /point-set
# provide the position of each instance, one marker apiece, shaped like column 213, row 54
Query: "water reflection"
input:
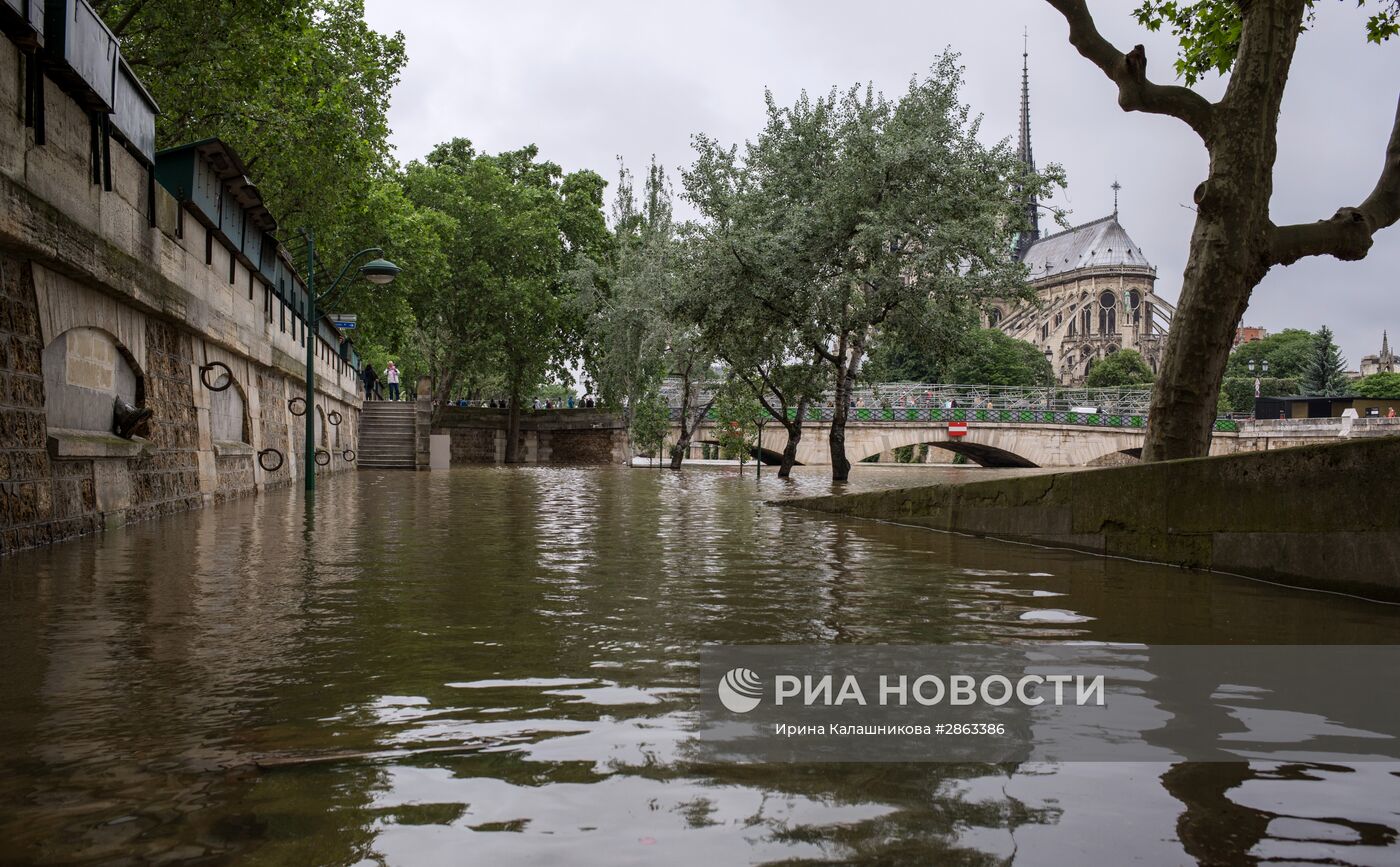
column 498, row 666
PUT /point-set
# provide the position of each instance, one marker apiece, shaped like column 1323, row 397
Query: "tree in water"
column 522, row 231
column 1325, row 375
column 650, row 421
column 1234, row 243
column 738, row 420
column 852, row 210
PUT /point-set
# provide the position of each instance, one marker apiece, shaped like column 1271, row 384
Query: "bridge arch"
column 984, row 455
column 769, row 457
column 978, row 448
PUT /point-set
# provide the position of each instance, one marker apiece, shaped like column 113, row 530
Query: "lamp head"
column 380, row 271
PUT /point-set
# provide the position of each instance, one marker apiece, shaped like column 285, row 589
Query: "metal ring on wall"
column 319, row 462
column 263, row 464
column 227, row 376
column 348, row 454
column 293, row 403
column 334, row 417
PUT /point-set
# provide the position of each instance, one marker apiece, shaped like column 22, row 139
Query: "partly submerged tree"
column 1326, row 373
column 650, row 420
column 1234, row 243
column 623, row 299
column 765, row 353
column 852, row 209
column 738, row 418
column 522, row 228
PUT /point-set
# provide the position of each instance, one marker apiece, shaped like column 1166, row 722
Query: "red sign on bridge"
column 957, row 428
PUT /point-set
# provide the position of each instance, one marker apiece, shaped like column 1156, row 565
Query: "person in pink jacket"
column 391, row 376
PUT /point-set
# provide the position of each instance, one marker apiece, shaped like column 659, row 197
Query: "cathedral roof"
column 1098, row 244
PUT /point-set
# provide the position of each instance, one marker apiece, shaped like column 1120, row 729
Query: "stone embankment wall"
column 1268, row 434
column 560, row 436
column 1323, row 516
column 96, row 302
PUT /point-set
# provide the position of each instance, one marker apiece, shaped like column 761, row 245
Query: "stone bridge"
column 1014, row 439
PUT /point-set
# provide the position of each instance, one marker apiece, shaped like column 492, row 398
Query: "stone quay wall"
column 559, row 436
column 1322, row 516
column 97, row 302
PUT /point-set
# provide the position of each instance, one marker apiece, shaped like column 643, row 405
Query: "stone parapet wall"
column 562, row 436
column 1323, row 516
column 142, row 292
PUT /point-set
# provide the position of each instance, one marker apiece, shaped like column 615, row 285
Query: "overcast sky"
column 589, row 82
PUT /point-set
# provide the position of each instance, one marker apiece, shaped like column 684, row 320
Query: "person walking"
column 391, row 375
column 371, row 379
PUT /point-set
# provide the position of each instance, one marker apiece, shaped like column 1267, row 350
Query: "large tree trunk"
column 680, row 448
column 794, row 432
column 1214, row 294
column 1231, row 243
column 846, row 369
column 836, row 437
column 682, row 444
column 688, row 429
column 1234, row 243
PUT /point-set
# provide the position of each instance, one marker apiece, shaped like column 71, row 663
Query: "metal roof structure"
column 229, row 168
column 1098, row 244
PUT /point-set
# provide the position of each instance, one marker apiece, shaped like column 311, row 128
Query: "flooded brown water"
column 501, row 664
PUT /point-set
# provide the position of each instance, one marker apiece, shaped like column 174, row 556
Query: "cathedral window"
column 1108, row 314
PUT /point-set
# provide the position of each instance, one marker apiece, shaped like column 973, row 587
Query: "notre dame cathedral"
column 1093, row 286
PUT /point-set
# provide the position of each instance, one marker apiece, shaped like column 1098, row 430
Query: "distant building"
column 1249, row 334
column 1381, row 362
column 1093, row 287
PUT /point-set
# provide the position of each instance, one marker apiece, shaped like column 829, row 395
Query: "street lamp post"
column 378, row 271
column 1258, row 383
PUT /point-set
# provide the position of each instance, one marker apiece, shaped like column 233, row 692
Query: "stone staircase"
column 386, row 435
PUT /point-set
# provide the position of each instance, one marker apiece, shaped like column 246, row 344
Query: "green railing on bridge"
column 927, row 415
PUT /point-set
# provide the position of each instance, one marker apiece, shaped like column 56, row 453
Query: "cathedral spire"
column 1029, row 236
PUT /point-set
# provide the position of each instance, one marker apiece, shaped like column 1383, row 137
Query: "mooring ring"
column 348, row 454
column 263, row 464
column 293, row 403
column 334, row 417
column 227, row 376
column 317, row 458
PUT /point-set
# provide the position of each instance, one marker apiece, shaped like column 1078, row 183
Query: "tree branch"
column 1129, row 72
column 131, row 14
column 1348, row 234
